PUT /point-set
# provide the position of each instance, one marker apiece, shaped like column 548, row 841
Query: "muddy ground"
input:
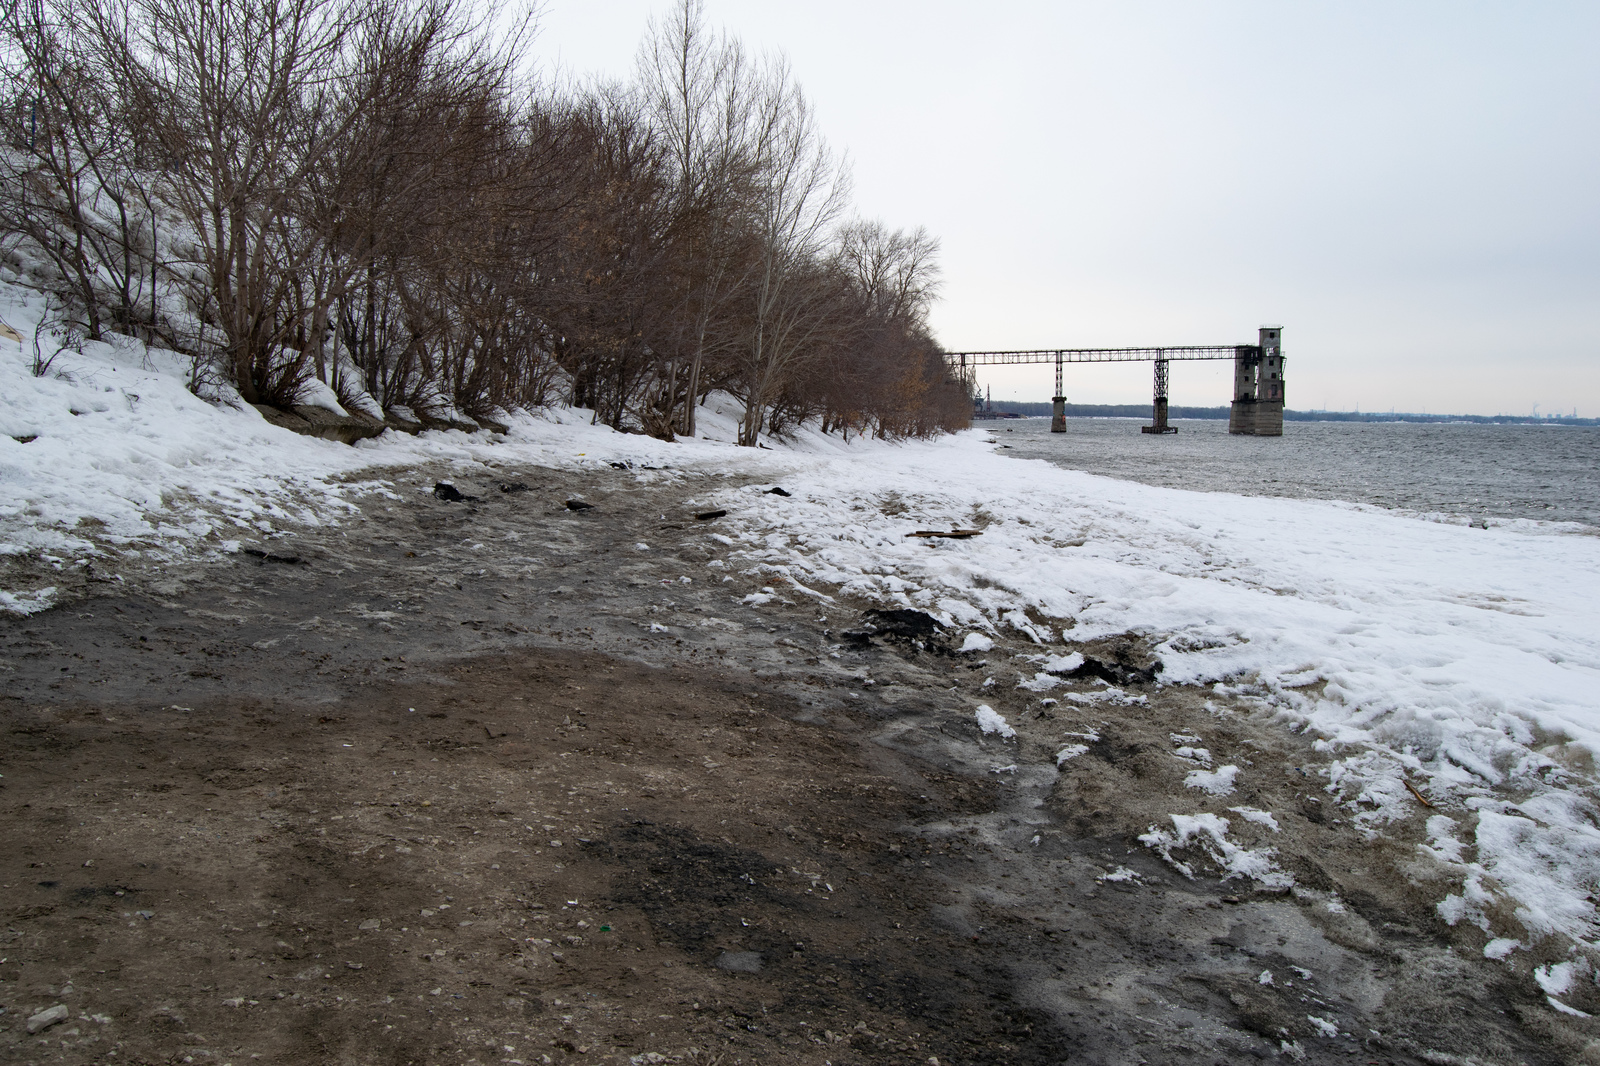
column 494, row 781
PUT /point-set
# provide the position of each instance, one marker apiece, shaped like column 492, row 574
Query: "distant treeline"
column 1136, row 410
column 377, row 195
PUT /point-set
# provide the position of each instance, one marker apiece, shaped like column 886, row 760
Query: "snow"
column 1555, row 978
column 1500, row 947
column 990, row 721
column 1209, row 833
column 1071, row 751
column 1462, row 661
column 1063, row 664
column 1250, row 814
column 1564, row 1009
column 977, row 642
column 1218, row 782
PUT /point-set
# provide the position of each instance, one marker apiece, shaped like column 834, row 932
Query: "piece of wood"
column 1414, row 792
column 954, row 534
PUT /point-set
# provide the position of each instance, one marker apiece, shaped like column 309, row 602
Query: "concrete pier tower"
column 1258, row 386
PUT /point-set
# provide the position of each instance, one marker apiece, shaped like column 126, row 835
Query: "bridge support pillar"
column 1058, row 416
column 1158, row 414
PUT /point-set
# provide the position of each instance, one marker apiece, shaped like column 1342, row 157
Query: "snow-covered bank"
column 110, row 452
column 1465, row 660
column 1460, row 661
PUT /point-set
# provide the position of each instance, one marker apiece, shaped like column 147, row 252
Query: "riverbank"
column 907, row 884
column 1260, row 777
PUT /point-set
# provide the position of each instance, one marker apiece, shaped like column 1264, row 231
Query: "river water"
column 1549, row 473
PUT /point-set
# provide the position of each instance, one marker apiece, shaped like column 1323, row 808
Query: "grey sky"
column 1409, row 188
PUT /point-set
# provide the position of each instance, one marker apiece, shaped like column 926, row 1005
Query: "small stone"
column 371, row 923
column 146, row 915
column 47, row 1017
column 739, row 961
column 88, row 862
column 353, row 965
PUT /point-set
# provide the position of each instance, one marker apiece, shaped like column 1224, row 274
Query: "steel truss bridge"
column 1061, row 356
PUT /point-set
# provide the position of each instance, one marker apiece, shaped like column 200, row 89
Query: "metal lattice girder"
column 1100, row 355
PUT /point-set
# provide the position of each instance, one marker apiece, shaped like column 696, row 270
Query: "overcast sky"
column 1411, row 189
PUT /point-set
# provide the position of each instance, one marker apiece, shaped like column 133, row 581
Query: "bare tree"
column 801, row 191
column 246, row 100
column 897, row 273
column 703, row 96
column 70, row 186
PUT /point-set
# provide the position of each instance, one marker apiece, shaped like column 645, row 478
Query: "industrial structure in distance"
column 1257, row 378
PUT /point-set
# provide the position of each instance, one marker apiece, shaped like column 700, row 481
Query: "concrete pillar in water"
column 1258, row 386
column 1269, row 383
column 1058, row 417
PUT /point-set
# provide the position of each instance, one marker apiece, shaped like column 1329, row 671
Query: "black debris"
column 904, row 623
column 29, row 439
column 514, row 486
column 449, row 494
column 579, row 505
column 1118, row 673
column 267, row 557
column 897, row 625
column 778, row 491
column 706, row 516
column 620, row 466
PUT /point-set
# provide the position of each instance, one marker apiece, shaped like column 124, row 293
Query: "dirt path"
column 496, row 781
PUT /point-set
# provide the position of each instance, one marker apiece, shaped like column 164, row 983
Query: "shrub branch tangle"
column 374, row 196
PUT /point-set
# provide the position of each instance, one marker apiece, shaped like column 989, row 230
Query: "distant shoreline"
column 1131, row 410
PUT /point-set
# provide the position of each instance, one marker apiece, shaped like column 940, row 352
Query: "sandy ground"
column 489, row 782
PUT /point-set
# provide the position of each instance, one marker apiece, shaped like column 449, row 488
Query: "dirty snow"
column 1071, row 751
column 1208, row 833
